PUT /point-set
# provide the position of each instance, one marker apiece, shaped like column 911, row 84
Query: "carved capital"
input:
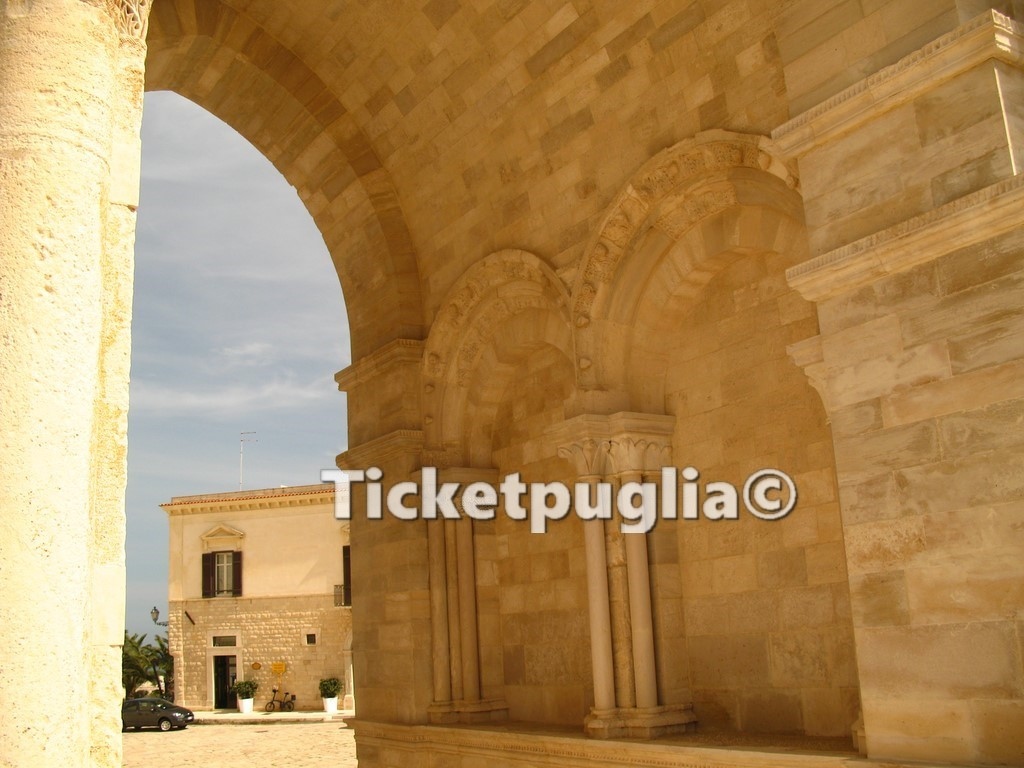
column 640, row 454
column 131, row 17
column 589, row 456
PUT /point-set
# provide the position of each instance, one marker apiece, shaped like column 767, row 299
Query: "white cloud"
column 279, row 395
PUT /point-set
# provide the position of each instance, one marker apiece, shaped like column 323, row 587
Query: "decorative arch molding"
column 512, row 290
column 208, row 53
column 694, row 201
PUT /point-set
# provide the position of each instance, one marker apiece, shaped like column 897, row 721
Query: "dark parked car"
column 143, row 713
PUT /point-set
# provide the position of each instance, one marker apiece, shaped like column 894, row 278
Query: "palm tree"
column 143, row 663
column 162, row 663
column 135, row 665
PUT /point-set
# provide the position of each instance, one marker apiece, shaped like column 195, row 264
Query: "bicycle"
column 286, row 704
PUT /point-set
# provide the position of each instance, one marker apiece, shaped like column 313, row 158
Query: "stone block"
column 826, row 712
column 987, row 585
column 781, row 568
column 707, row 616
column 729, row 661
column 772, row 711
column 753, row 612
column 879, row 599
column 999, row 728
column 900, row 446
column 979, row 306
column 803, row 607
column 987, row 344
column 914, row 661
column 826, row 563
column 868, row 379
column 968, row 391
column 904, row 294
column 798, row 659
column 874, row 498
column 734, row 574
column 981, row 479
column 884, row 545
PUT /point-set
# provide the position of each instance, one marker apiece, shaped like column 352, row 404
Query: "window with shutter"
column 236, row 574
column 222, row 574
column 346, row 575
column 209, row 584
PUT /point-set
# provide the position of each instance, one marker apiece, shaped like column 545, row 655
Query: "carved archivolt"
column 501, row 286
column 715, row 174
column 671, row 192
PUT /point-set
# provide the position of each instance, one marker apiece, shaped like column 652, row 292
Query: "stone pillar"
column 920, row 364
column 392, row 642
column 69, row 149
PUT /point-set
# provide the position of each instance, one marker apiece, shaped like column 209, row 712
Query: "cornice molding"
column 966, row 221
column 990, row 35
column 250, row 501
column 381, row 362
column 398, row 444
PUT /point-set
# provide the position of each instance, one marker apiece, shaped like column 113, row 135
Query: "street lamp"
column 155, row 615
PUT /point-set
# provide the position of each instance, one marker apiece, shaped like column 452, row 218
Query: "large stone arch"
column 222, row 60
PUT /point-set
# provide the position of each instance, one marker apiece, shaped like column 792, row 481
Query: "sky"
column 238, row 326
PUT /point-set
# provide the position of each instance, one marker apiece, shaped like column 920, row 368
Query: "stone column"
column 457, row 674
column 920, row 362
column 639, row 446
column 588, row 459
column 69, row 149
column 630, row 456
column 621, row 447
column 467, row 610
column 441, row 654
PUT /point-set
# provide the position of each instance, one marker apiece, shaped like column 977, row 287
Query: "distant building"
column 259, row 589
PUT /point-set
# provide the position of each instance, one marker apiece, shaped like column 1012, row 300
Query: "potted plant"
column 244, row 691
column 330, row 687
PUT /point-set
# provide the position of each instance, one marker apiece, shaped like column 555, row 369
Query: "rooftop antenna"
column 242, row 440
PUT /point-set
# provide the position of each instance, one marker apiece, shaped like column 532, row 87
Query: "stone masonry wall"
column 269, row 630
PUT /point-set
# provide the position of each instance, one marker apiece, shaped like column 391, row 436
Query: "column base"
column 633, row 722
column 860, row 741
column 484, row 711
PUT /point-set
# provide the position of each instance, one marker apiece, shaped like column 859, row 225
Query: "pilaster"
column 912, row 185
column 391, row 643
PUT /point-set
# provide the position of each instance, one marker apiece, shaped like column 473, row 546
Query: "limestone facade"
column 281, row 615
column 580, row 240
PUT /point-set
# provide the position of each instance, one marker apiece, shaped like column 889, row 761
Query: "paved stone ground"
column 229, row 745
